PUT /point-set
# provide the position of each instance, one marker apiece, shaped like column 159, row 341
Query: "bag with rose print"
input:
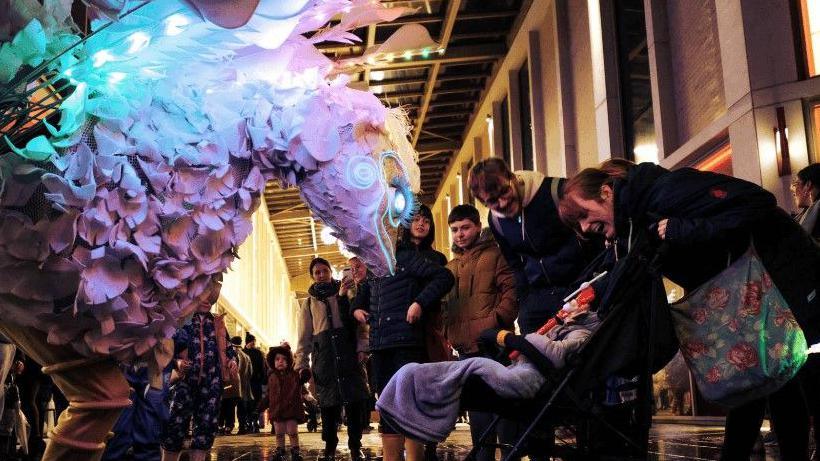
column 738, row 335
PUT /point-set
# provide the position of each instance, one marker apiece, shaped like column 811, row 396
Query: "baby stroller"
column 635, row 339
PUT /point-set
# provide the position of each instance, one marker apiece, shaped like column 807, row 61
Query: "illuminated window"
column 42, row 102
column 815, row 129
column 717, row 161
column 810, row 16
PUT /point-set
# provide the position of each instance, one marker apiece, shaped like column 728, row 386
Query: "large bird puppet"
column 134, row 156
column 117, row 217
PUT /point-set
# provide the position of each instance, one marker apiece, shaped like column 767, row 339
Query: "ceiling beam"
column 453, row 55
column 452, row 103
column 290, row 215
column 425, row 18
column 433, row 126
column 437, row 146
column 428, row 156
column 418, row 80
column 309, row 252
column 428, row 93
column 402, row 81
column 486, row 34
column 448, row 114
column 371, row 40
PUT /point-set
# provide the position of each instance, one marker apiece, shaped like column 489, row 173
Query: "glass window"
column 810, row 18
column 525, row 112
column 635, row 84
column 814, row 113
column 505, row 132
column 718, row 160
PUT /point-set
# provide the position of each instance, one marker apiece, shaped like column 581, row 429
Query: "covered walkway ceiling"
column 440, row 92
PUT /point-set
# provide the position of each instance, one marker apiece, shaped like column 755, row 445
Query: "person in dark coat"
column 806, row 192
column 393, row 306
column 258, row 380
column 284, row 401
column 704, row 219
column 545, row 256
column 421, row 234
column 329, row 348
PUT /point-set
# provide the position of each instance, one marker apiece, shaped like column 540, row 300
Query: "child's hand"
column 360, row 315
column 183, row 365
column 662, row 228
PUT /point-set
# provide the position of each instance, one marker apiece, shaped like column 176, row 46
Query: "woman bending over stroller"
column 701, row 217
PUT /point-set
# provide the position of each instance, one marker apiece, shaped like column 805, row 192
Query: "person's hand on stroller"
column 492, row 343
column 486, row 342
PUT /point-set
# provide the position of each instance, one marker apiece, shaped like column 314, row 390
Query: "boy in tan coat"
column 483, row 297
column 484, row 293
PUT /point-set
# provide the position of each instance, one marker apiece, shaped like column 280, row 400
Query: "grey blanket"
column 423, row 399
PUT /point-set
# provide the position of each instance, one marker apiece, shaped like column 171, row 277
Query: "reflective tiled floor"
column 668, row 442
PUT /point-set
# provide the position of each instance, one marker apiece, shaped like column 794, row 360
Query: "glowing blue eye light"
column 403, row 203
column 399, row 203
column 361, row 172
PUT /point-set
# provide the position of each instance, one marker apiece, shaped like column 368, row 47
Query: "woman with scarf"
column 328, row 347
column 704, row 219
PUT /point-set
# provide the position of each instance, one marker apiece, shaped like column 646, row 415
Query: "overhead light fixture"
column 327, row 236
column 781, row 143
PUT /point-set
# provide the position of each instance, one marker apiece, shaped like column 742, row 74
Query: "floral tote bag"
column 738, row 335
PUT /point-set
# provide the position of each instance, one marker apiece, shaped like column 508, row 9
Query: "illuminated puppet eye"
column 362, row 172
column 402, row 204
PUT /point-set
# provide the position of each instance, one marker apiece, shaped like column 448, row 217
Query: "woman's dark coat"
column 388, row 298
column 712, row 220
column 337, row 373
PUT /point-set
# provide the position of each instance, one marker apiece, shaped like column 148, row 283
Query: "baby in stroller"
column 422, row 401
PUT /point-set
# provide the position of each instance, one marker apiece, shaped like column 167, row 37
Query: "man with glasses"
column 545, row 256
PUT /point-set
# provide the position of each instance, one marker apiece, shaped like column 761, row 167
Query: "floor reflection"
column 668, row 442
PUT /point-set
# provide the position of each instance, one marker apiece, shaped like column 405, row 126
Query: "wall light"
column 489, row 120
column 781, row 143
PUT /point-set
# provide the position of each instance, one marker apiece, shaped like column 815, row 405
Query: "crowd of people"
column 357, row 333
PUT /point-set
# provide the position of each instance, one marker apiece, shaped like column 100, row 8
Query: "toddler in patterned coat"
column 203, row 355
